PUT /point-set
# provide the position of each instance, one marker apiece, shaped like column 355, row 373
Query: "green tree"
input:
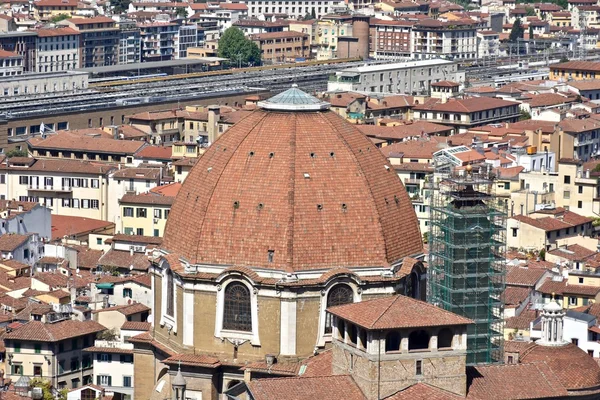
column 564, row 59
column 181, row 12
column 119, row 6
column 530, row 12
column 47, row 390
column 59, row 17
column 16, row 153
column 542, row 255
column 108, row 335
column 516, row 32
column 524, row 115
column 426, row 237
column 313, row 14
column 530, row 32
column 238, row 49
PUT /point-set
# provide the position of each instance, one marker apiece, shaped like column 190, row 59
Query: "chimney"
column 131, row 251
column 214, row 115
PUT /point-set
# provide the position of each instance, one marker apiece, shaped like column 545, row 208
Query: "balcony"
column 44, row 188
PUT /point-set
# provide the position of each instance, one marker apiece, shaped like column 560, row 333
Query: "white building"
column 433, row 38
column 293, row 8
column 23, row 217
column 129, row 181
column 579, row 328
column 408, row 77
column 488, row 44
column 67, row 187
column 40, row 83
column 113, row 366
column 58, row 50
column 187, row 36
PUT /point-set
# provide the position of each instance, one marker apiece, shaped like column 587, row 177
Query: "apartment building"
column 99, row 40
column 22, row 43
column 327, row 34
column 52, row 351
column 129, row 43
column 130, row 181
column 45, row 9
column 574, row 70
column 413, row 77
column 58, row 50
column 67, row 187
column 223, row 14
column 252, row 26
column 488, row 44
column 158, row 40
column 454, row 40
column 186, row 37
column 390, row 39
column 75, row 145
column 572, row 187
column 144, row 214
column 122, row 290
column 293, row 9
column 112, row 366
column 11, row 63
column 467, row 113
column 282, row 46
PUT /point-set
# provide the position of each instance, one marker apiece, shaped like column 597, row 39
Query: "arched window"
column 418, row 340
column 445, row 338
column 170, row 294
column 237, row 311
column 392, row 341
column 338, row 295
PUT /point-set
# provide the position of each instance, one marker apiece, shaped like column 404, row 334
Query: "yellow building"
column 46, row 9
column 326, row 36
column 144, row 214
column 575, row 70
column 569, row 295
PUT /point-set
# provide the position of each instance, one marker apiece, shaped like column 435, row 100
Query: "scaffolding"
column 466, row 256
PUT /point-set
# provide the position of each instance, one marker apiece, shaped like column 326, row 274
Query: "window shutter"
column 98, row 380
column 98, row 357
column 109, row 380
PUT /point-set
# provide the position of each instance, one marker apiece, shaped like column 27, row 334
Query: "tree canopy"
column 240, row 50
column 59, row 17
column 47, row 391
column 517, row 31
column 119, row 6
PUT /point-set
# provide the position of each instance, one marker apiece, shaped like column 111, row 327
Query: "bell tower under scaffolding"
column 467, row 241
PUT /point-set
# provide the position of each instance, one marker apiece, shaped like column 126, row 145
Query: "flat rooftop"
column 41, row 75
column 390, row 67
column 146, row 65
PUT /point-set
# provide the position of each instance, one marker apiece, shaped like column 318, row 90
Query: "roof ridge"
column 385, row 311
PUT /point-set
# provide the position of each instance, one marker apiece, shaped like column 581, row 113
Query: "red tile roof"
column 521, row 321
column 521, row 276
column 122, row 259
column 468, row 105
column 121, row 237
column 57, row 32
column 396, row 312
column 277, row 35
column 221, row 198
column 553, row 224
column 147, row 199
column 423, row 391
column 40, row 332
column 563, row 288
column 117, row 350
column 168, row 190
column 322, row 388
column 574, row 252
column 136, row 326
column 155, row 153
column 319, row 365
column 514, row 296
column 573, row 367
column 10, row 242
column 67, row 225
column 514, row 382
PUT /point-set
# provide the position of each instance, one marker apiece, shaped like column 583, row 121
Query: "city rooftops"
column 74, row 143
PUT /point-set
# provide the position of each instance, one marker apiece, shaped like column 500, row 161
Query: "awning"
column 105, row 285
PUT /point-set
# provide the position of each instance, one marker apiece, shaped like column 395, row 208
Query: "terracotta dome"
column 293, row 187
column 575, row 369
